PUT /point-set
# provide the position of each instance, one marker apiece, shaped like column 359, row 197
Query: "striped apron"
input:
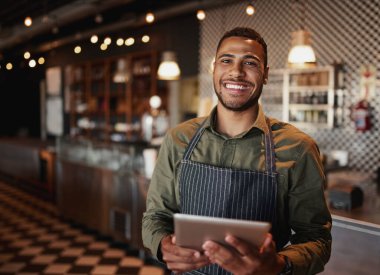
column 208, row 190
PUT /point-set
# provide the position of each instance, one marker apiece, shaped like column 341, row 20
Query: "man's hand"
column 179, row 259
column 246, row 259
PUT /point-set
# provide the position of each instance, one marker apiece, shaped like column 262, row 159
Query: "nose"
column 236, row 70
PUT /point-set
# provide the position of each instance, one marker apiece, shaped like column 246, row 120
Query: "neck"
column 233, row 123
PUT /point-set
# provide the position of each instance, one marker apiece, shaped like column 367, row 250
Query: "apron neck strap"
column 270, row 160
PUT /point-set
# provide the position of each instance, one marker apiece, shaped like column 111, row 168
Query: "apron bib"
column 208, row 190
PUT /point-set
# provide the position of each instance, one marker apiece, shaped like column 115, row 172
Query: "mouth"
column 237, row 86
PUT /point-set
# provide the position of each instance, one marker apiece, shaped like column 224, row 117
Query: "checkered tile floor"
column 34, row 240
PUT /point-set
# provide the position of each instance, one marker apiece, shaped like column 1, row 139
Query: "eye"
column 251, row 63
column 225, row 60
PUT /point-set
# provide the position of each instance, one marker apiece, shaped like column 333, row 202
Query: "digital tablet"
column 192, row 231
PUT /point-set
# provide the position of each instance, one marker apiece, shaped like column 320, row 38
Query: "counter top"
column 369, row 212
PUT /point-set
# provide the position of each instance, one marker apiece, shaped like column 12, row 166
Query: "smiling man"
column 237, row 163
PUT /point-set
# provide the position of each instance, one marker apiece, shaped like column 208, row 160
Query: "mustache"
column 238, row 80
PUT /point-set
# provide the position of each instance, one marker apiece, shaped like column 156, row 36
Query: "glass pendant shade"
column 121, row 75
column 301, row 52
column 168, row 69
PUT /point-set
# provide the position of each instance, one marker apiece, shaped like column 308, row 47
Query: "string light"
column 9, row 66
column 129, row 41
column 149, row 18
column 94, row 39
column 32, row 63
column 107, row 41
column 26, row 55
column 28, row 21
column 103, row 47
column 201, row 15
column 77, row 49
column 120, row 41
column 145, row 39
column 41, row 60
column 250, row 10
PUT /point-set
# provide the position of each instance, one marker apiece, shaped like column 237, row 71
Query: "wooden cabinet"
column 108, row 97
column 304, row 97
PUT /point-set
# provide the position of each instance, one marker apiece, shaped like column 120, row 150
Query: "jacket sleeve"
column 161, row 200
column 309, row 217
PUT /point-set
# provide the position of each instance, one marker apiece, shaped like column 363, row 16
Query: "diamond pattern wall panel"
column 342, row 31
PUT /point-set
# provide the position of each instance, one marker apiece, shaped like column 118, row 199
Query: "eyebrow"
column 247, row 56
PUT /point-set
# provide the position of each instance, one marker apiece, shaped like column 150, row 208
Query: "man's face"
column 239, row 73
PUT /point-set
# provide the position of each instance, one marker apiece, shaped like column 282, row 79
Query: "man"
column 237, row 163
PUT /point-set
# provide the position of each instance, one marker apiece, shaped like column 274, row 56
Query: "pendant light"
column 301, row 54
column 121, row 75
column 168, row 69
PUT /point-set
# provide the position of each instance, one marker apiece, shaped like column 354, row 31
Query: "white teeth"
column 234, row 86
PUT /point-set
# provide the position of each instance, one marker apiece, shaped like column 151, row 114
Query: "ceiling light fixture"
column 301, row 54
column 169, row 69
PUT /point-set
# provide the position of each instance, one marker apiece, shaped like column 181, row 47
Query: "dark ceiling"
column 60, row 21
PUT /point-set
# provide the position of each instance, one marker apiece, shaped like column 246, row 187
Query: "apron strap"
column 194, row 140
column 270, row 157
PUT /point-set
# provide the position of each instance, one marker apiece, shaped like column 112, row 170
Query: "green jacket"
column 301, row 205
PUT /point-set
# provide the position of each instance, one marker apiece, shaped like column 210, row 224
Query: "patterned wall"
column 342, row 31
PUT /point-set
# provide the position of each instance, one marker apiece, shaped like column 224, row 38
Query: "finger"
column 268, row 246
column 242, row 247
column 219, row 254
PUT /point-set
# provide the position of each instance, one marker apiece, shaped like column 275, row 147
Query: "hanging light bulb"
column 26, row 55
column 41, row 60
column 94, row 39
column 301, row 54
column 250, row 10
column 28, row 21
column 77, row 49
column 121, row 75
column 9, row 66
column 145, row 39
column 201, row 15
column 149, row 17
column 32, row 63
column 168, row 69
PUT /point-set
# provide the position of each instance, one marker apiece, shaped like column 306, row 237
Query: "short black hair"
column 248, row 33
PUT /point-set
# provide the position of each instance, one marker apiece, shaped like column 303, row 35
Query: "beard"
column 235, row 105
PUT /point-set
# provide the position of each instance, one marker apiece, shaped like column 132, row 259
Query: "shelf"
column 309, row 89
column 312, row 125
column 108, row 102
column 317, row 107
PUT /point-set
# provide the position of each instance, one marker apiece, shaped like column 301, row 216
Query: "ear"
column 266, row 75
